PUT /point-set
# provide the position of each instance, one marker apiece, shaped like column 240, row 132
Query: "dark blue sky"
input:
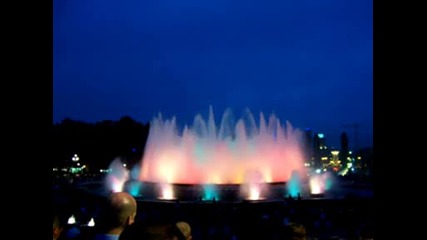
column 308, row 61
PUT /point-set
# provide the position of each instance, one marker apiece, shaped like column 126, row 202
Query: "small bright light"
column 124, row 164
column 320, row 135
column 352, row 169
column 318, row 170
column 78, row 164
column 100, row 170
column 350, row 152
column 55, row 169
column 315, row 186
column 324, row 169
column 254, row 193
column 71, row 220
column 167, row 192
column 91, row 222
column 117, row 187
column 75, row 158
column 335, row 153
column 358, row 158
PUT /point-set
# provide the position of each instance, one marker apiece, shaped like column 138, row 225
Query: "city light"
column 75, row 158
column 91, row 223
column 71, row 220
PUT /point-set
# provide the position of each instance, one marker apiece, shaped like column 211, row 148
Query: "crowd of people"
column 121, row 217
column 117, row 222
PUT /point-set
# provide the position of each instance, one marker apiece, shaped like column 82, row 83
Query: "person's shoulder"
column 106, row 237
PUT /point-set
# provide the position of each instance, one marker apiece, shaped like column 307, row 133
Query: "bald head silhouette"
column 185, row 229
column 119, row 212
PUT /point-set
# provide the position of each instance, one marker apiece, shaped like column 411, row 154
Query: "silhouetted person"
column 158, row 231
column 118, row 213
column 185, row 229
column 295, row 231
column 58, row 226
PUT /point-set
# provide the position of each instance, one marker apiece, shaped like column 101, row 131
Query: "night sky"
column 308, row 61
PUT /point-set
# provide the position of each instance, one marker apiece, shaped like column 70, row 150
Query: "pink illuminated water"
column 228, row 153
column 117, row 176
column 319, row 183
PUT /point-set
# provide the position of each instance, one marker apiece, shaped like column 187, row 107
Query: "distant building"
column 364, row 160
column 345, row 151
column 320, row 150
column 308, row 147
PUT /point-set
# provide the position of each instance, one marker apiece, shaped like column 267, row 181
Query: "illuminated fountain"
column 166, row 191
column 235, row 160
column 319, row 184
column 294, row 185
column 232, row 153
column 117, row 176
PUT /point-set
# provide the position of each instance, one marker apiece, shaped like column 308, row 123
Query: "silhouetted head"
column 119, row 212
column 123, row 207
column 185, row 229
column 296, row 231
column 58, row 226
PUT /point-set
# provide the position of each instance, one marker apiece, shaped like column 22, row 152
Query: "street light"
column 75, row 158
